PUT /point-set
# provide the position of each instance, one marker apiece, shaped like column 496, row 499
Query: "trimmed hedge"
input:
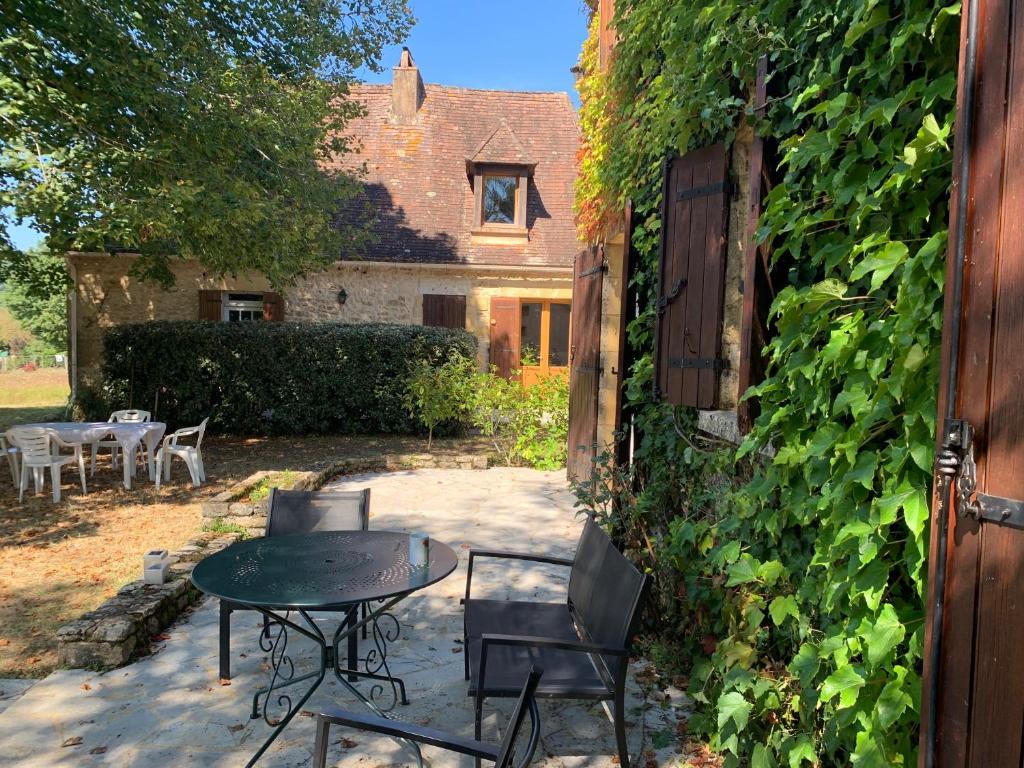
column 273, row 378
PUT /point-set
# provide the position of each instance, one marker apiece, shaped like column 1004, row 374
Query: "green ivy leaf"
column 883, row 635
column 732, row 707
column 845, row 683
column 742, row 571
column 781, row 607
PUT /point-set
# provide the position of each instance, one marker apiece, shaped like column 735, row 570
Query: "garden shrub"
column 438, row 394
column 526, row 425
column 274, row 378
column 791, row 584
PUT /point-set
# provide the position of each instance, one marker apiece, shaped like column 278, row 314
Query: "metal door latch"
column 956, row 461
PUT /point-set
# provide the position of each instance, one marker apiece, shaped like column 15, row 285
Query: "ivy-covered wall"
column 790, row 581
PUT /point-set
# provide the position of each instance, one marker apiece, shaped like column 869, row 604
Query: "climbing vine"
column 789, row 572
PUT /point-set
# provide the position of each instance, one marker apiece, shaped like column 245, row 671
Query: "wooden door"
column 974, row 663
column 504, row 351
column 585, row 361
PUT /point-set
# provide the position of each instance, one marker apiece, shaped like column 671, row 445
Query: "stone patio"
column 169, row 709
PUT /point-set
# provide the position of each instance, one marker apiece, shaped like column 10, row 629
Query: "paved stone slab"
column 170, row 710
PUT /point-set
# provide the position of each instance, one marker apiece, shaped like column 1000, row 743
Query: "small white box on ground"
column 153, row 557
column 156, row 573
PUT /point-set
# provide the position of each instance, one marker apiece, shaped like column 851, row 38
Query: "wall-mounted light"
column 342, row 296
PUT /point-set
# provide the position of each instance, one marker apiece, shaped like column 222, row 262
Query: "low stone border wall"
column 233, row 508
column 123, row 627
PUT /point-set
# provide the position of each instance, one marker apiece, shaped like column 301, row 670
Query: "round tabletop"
column 320, row 569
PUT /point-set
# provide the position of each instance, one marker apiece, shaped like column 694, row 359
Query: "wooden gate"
column 973, row 689
column 585, row 361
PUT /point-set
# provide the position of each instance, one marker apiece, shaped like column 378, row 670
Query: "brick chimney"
column 407, row 91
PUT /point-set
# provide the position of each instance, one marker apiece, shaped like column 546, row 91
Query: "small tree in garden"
column 437, row 394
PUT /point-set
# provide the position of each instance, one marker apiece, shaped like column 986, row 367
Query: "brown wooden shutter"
column 444, row 311
column 505, row 335
column 273, row 307
column 210, row 305
column 758, row 285
column 688, row 362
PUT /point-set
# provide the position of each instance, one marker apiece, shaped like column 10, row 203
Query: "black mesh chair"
column 303, row 512
column 583, row 644
column 502, row 754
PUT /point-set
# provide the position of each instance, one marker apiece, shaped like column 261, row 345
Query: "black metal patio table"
column 324, row 570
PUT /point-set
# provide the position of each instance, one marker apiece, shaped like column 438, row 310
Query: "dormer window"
column 499, row 203
column 500, row 171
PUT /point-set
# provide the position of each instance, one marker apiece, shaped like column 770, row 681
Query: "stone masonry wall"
column 106, row 296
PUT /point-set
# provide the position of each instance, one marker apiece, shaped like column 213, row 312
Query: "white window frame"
column 249, row 309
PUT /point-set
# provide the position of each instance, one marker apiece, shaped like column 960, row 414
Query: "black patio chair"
column 583, row 644
column 501, row 754
column 303, row 512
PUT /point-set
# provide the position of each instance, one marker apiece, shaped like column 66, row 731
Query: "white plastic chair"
column 127, row 416
column 12, row 453
column 191, row 454
column 40, row 448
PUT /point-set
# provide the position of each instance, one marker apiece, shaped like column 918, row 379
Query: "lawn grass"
column 30, row 396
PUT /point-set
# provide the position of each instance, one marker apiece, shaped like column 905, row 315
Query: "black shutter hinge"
column 722, row 187
column 671, row 296
column 712, row 363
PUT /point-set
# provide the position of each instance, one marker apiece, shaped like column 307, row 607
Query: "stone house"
column 470, row 193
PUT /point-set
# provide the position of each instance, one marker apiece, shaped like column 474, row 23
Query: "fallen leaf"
column 347, row 743
column 224, row 681
column 235, row 728
column 73, row 741
column 307, row 713
column 456, row 650
column 160, row 638
column 86, row 687
column 97, row 750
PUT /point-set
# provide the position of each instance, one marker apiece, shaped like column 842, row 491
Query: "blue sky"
column 528, row 45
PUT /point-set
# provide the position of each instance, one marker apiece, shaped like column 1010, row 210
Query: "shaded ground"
column 170, row 709
column 60, row 560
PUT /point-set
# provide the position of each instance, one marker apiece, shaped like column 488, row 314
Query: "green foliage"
column 36, row 296
column 273, row 378
column 527, row 425
column 219, row 525
column 791, row 572
column 189, row 129
column 440, row 393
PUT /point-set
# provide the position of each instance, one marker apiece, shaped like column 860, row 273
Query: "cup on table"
column 419, row 549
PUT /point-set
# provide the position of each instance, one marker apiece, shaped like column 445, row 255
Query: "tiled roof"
column 417, row 187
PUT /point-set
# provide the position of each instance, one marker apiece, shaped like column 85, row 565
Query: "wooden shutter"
column 757, row 284
column 688, row 362
column 505, row 335
column 273, row 307
column 444, row 311
column 585, row 362
column 210, row 305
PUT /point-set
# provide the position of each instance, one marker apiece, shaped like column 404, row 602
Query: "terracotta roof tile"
column 417, row 189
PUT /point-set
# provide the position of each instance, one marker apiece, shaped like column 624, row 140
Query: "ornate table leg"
column 385, row 629
column 283, row 673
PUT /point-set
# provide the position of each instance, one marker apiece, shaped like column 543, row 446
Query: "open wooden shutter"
column 273, row 307
column 758, row 286
column 505, row 335
column 688, row 362
column 210, row 305
column 444, row 311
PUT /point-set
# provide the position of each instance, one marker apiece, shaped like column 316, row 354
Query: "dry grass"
column 60, row 560
column 27, row 396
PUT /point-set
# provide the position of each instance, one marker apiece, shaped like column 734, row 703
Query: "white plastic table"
column 128, row 435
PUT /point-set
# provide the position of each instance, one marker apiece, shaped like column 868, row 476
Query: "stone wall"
column 105, row 296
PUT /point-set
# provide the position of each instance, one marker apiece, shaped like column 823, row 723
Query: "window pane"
column 499, row 199
column 529, row 334
column 558, row 343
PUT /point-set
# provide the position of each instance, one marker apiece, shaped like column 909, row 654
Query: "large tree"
column 184, row 128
